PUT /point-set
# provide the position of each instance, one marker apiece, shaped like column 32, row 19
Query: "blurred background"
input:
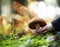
column 46, row 9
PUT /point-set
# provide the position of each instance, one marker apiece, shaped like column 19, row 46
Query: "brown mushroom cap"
column 35, row 21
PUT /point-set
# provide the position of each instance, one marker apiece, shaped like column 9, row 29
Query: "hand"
column 43, row 30
column 46, row 28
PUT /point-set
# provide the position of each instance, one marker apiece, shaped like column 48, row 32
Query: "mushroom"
column 36, row 23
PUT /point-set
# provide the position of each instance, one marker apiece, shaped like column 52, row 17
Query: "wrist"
column 50, row 27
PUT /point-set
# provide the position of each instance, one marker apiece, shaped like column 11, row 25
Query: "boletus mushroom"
column 37, row 23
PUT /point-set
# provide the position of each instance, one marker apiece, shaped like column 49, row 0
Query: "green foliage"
column 34, row 41
column 2, row 37
column 27, row 40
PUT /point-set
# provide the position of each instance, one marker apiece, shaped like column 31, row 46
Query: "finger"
column 45, row 31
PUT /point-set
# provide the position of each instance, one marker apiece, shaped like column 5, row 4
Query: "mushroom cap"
column 35, row 21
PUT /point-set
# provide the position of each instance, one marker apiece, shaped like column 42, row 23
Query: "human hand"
column 45, row 29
